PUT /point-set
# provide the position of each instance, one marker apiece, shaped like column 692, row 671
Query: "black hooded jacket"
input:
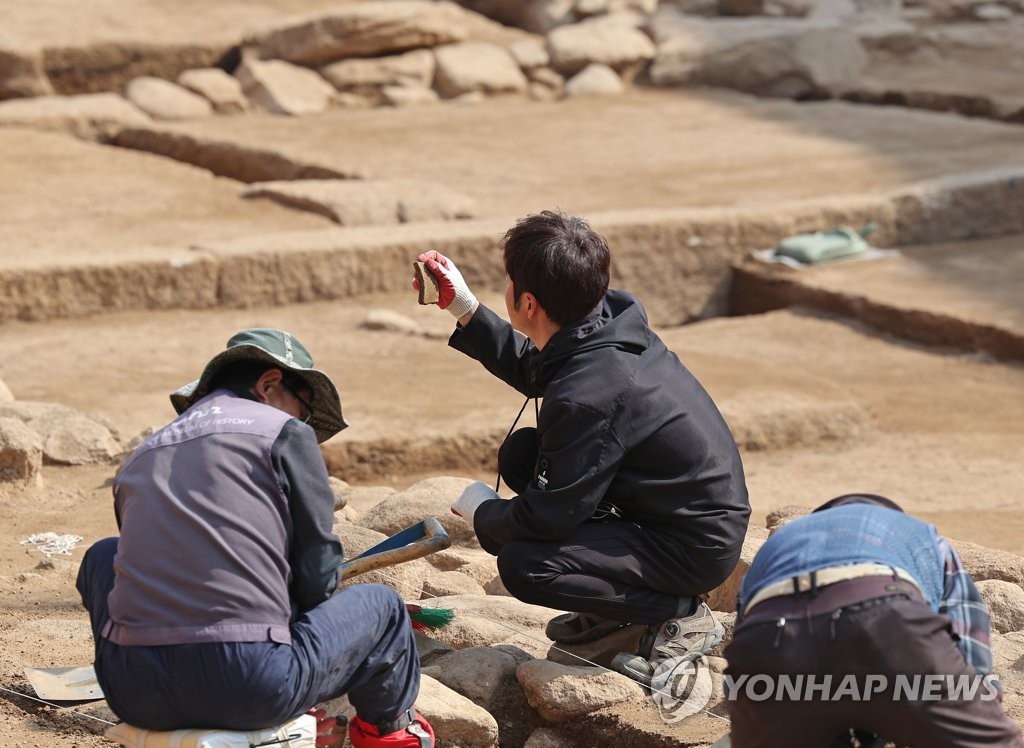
column 622, row 421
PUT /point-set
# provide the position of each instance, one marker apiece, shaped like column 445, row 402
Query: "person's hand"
column 475, row 494
column 454, row 294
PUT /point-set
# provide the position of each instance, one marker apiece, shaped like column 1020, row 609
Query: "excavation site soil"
column 127, row 265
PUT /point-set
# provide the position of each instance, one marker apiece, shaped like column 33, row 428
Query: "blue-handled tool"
column 417, row 541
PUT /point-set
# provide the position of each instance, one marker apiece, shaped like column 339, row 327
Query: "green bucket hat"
column 280, row 349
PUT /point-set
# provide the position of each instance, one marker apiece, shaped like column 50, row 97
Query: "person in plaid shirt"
column 858, row 592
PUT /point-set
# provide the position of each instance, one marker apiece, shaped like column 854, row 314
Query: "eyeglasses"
column 307, row 408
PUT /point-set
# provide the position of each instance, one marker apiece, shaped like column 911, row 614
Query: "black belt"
column 835, row 596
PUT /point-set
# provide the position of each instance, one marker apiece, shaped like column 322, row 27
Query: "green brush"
column 429, row 618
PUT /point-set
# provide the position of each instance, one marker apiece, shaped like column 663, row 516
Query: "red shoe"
column 410, row 730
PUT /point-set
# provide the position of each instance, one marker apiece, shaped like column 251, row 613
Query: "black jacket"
column 622, row 421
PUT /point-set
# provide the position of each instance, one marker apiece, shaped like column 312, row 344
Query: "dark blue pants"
column 359, row 642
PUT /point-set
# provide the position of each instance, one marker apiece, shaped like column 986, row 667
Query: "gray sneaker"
column 694, row 635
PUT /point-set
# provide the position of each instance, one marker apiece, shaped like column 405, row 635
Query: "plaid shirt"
column 962, row 602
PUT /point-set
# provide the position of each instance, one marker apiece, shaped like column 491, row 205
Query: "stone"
column 68, row 436
column 356, row 202
column 223, row 91
column 530, row 54
column 428, row 648
column 362, row 29
column 21, row 71
column 1005, row 601
column 594, row 80
column 282, row 88
column 452, row 715
column 481, row 674
column 413, row 69
column 620, row 47
column 5, row 393
column 386, row 320
column 340, row 490
column 88, row 116
column 545, row 737
column 164, row 100
column 429, row 497
column 785, row 58
column 408, row 96
column 484, row 621
column 406, row 578
column 723, row 597
column 779, row 517
column 477, row 66
column 990, row 563
column 445, row 583
column 562, row 692
column 21, row 453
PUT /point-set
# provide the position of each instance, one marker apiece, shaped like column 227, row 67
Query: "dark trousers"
column 359, row 642
column 611, row 568
column 886, row 637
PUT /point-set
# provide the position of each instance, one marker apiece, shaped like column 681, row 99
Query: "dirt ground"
column 821, row 406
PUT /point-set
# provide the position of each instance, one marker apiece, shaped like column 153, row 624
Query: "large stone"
column 723, row 597
column 21, row 71
column 990, row 563
column 21, row 453
column 363, row 29
column 765, row 57
column 68, row 436
column 446, row 583
column 619, row 46
column 561, row 692
column 1005, row 601
column 489, row 620
column 87, row 116
column 367, row 76
column 356, row 202
column 5, row 393
column 477, row 66
column 164, row 100
column 223, row 91
column 429, row 497
column 594, row 80
column 406, row 578
column 482, row 674
column 530, row 54
column 783, row 515
column 456, row 718
column 282, row 88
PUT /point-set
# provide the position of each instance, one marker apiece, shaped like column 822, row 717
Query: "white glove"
column 475, row 494
column 454, row 295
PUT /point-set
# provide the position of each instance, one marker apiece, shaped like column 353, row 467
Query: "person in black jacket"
column 631, row 501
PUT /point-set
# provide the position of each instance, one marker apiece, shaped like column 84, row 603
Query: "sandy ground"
column 825, row 406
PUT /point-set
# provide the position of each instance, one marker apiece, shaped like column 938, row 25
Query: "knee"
column 518, row 572
column 99, row 559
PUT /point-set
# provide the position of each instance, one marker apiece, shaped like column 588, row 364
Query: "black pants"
column 882, row 637
column 613, row 569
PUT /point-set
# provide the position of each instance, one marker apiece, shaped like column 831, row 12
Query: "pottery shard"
column 364, row 29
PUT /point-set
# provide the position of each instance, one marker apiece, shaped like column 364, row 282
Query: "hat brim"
column 327, row 419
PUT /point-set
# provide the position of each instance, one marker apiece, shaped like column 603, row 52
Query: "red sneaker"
column 410, row 730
